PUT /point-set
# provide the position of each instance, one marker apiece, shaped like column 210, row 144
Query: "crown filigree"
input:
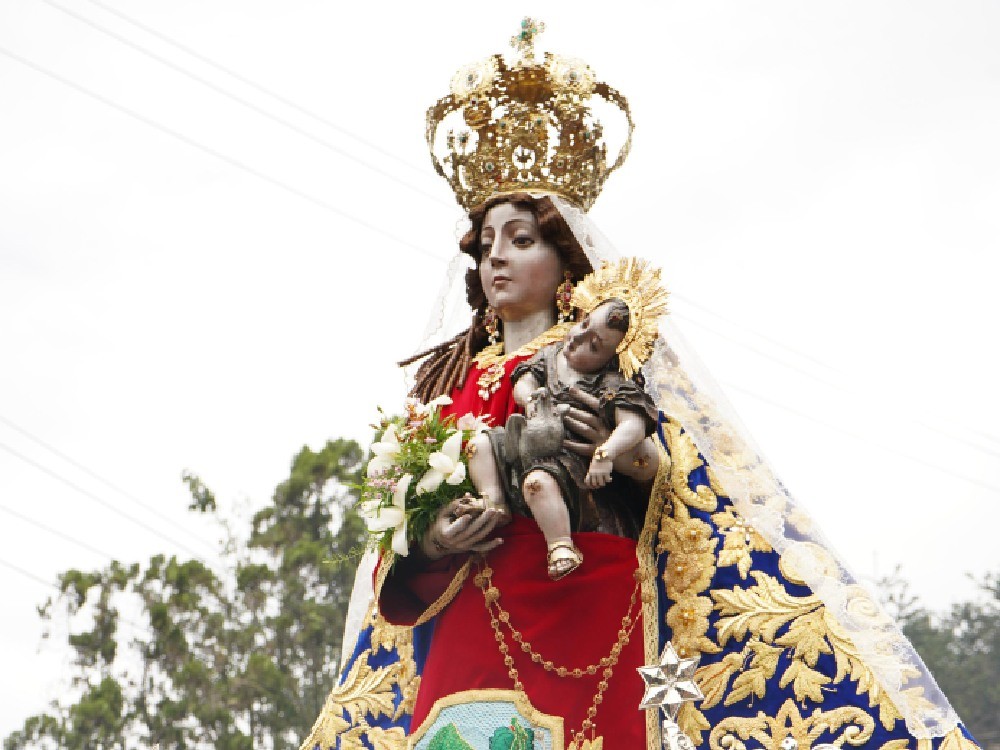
column 524, row 127
column 638, row 285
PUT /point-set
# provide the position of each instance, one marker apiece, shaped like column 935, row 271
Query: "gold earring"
column 492, row 324
column 564, row 296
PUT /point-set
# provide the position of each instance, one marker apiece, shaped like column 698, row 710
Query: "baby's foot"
column 563, row 558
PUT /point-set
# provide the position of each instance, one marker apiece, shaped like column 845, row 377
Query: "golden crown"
column 638, row 285
column 527, row 127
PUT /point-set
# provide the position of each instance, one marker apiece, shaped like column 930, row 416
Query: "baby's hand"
column 599, row 473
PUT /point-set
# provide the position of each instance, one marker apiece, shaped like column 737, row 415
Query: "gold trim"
column 491, row 359
column 646, row 557
column 553, row 723
column 440, row 603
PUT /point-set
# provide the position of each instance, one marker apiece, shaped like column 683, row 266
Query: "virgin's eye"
column 523, row 240
column 485, row 248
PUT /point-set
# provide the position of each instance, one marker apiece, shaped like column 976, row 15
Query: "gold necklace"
column 491, row 359
column 491, row 594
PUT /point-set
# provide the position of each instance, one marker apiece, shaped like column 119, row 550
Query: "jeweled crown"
column 527, row 127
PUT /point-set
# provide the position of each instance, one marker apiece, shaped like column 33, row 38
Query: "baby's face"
column 591, row 343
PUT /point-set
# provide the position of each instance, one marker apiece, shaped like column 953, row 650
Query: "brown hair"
column 447, row 364
column 618, row 315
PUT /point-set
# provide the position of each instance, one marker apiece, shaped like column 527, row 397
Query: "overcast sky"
column 196, row 274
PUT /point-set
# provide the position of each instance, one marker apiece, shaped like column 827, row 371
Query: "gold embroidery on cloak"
column 366, row 694
column 851, row 725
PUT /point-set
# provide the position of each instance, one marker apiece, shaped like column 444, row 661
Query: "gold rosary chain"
column 491, row 595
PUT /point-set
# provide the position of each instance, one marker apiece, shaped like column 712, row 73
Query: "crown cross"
column 524, row 40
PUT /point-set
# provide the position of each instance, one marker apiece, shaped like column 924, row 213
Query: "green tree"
column 234, row 659
column 961, row 647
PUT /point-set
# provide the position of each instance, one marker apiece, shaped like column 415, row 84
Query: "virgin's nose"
column 498, row 254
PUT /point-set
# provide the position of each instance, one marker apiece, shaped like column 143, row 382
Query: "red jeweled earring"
column 564, row 296
column 492, row 324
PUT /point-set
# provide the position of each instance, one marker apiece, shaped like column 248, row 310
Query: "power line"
column 216, row 154
column 55, row 532
column 28, row 574
column 942, row 469
column 38, row 579
column 828, row 383
column 101, row 501
column 774, row 342
column 244, row 102
column 257, row 86
column 755, row 350
column 93, row 475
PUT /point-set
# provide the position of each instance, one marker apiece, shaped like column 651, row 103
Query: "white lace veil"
column 684, row 390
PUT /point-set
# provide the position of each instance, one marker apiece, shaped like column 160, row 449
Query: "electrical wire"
column 92, row 474
column 101, row 501
column 422, row 171
column 55, row 532
column 244, row 102
column 835, row 386
column 857, row 436
column 216, row 154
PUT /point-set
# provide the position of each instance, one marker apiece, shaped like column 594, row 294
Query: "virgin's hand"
column 586, row 425
column 462, row 526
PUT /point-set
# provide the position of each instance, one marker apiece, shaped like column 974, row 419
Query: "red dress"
column 573, row 622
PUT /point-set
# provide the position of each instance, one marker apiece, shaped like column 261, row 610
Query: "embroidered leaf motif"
column 807, row 637
column 386, row 739
column 761, row 609
column 366, row 690
column 386, row 636
column 330, row 725
column 714, row 678
column 351, row 739
column 753, row 680
column 896, row 745
column 684, row 455
column 806, row 682
column 693, row 723
column 849, row 664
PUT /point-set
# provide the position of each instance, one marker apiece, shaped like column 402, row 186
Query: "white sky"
column 820, row 181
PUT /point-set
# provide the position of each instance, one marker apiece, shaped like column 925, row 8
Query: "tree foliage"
column 175, row 654
column 960, row 647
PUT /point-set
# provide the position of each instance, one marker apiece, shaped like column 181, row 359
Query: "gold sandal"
column 563, row 551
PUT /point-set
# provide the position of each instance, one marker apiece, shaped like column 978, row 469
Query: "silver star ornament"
column 670, row 684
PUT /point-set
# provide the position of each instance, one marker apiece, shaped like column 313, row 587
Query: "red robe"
column 573, row 622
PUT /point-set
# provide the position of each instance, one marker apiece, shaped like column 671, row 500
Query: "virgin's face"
column 519, row 270
column 591, row 343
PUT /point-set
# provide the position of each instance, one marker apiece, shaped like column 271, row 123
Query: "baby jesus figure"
column 599, row 356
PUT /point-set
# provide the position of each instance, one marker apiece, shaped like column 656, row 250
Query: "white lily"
column 439, row 401
column 430, row 405
column 472, row 422
column 385, row 452
column 394, row 517
column 445, row 466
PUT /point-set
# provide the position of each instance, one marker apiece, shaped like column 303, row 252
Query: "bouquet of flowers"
column 417, row 467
